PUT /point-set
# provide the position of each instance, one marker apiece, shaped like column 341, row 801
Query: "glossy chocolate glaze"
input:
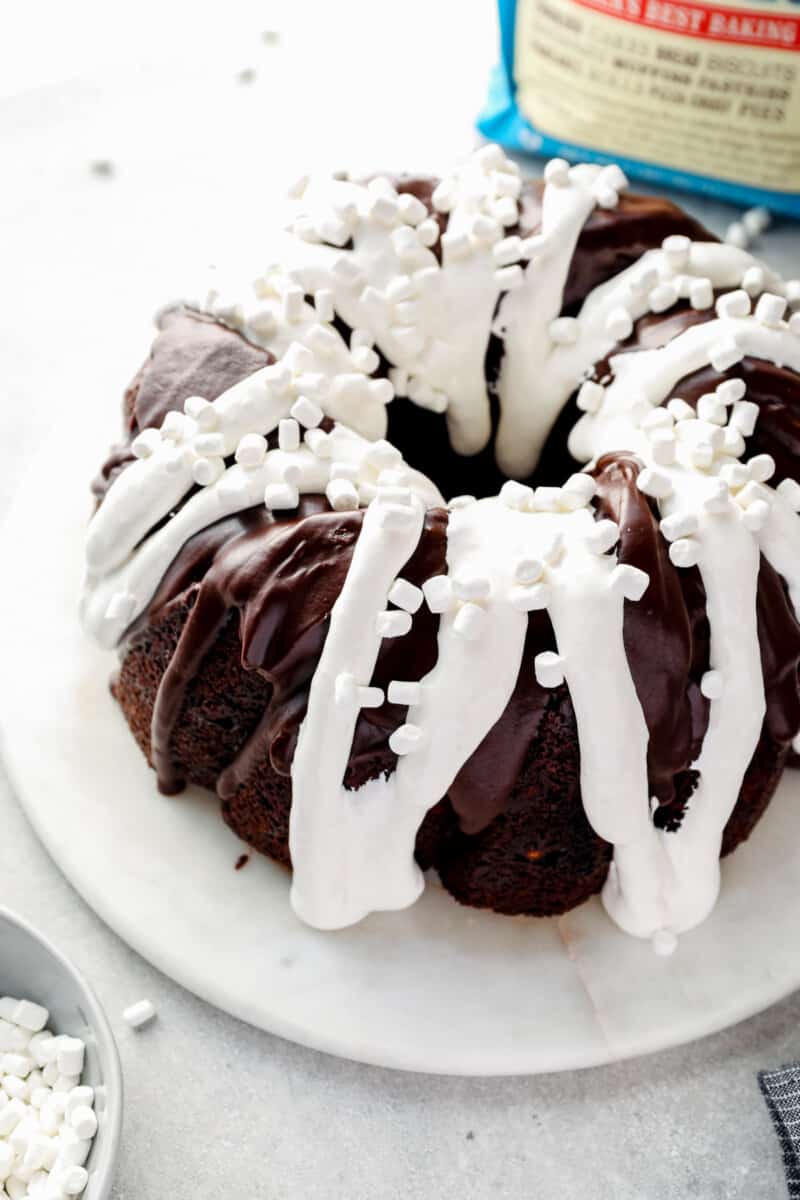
column 258, row 566
column 282, row 577
column 657, row 630
column 192, row 355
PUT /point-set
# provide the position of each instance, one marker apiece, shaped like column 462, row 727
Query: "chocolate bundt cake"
column 534, row 624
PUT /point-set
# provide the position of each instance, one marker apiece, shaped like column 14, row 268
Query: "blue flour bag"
column 700, row 96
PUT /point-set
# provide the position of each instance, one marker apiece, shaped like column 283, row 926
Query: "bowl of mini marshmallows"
column 60, row 1077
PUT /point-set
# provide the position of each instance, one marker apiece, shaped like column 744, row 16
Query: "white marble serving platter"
column 437, row 988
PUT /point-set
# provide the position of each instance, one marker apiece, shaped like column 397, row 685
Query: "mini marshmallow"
column 735, row 474
column 701, row 294
column 517, row 495
column 756, row 220
column 507, row 251
column 280, row 496
column 505, row 209
column 564, row 330
column 402, row 692
column 602, row 536
column 383, row 455
column 619, row 323
column 590, row 396
column 755, row 516
column 84, row 1122
column 412, row 210
column 701, row 455
column 711, row 408
column 582, row 485
column 549, row 669
column 145, row 443
column 207, row 471
column 393, row 623
column 654, row 483
column 733, row 304
column 427, row 232
column 629, row 581
column 80, row 1095
column 662, row 447
column 753, row 491
column 679, row 410
column 30, row 1015
column 73, row 1150
column 770, row 310
column 679, row 525
column 743, row 418
column 323, row 340
column 789, row 490
column 342, row 495
column 469, row 621
column 725, row 353
column 530, row 599
column 323, row 303
column 16, row 1064
column 711, row 685
column 74, row 1179
column 731, row 390
column 406, row 595
column 369, row 697
column 676, row 249
column 556, row 172
column 753, row 280
column 174, row 426
column 476, row 587
column 251, row 450
column 528, row 570
column 306, row 412
column 406, row 739
column 319, row 443
column 717, row 499
column 761, row 467
column 684, row 552
column 70, row 1056
column 456, row 246
column 663, row 296
column 737, row 235
column 509, row 278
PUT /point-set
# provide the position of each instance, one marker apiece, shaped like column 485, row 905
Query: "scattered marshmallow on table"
column 47, row 1118
column 138, row 1014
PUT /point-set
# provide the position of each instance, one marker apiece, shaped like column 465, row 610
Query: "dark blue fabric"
column 781, row 1091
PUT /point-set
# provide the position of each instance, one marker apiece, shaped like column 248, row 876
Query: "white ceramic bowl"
column 31, row 967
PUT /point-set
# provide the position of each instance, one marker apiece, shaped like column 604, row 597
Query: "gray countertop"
column 215, row 1108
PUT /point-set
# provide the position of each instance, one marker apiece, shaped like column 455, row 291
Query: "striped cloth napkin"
column 781, row 1090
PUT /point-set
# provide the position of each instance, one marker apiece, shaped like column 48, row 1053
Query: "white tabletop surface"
column 214, row 1108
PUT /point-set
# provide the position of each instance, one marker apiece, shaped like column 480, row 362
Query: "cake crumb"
column 247, row 75
column 470, row 1136
column 103, row 168
column 270, row 37
column 242, row 861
